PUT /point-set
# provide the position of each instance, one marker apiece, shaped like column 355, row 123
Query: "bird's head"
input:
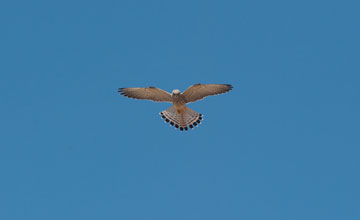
column 176, row 92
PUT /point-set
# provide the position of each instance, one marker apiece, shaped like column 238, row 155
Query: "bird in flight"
column 179, row 115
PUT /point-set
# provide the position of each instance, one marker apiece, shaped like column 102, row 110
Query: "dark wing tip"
column 230, row 87
column 122, row 91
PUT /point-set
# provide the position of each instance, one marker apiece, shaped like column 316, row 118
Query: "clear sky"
column 284, row 144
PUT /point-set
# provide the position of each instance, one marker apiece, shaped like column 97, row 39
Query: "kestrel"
column 179, row 115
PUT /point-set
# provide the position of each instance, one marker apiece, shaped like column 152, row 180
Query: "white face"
column 176, row 92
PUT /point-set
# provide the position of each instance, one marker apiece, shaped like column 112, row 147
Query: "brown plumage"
column 150, row 93
column 179, row 115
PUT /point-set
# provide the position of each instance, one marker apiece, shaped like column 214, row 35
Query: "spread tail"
column 189, row 118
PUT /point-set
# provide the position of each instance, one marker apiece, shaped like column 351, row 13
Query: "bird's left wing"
column 150, row 93
column 200, row 91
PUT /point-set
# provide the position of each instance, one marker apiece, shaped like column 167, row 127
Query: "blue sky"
column 284, row 144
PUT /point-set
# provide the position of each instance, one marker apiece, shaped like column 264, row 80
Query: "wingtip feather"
column 229, row 86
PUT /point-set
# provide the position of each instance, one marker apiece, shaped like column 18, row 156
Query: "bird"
column 178, row 115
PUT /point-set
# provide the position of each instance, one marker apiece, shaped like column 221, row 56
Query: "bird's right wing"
column 150, row 93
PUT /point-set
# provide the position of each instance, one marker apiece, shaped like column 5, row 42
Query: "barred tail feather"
column 189, row 118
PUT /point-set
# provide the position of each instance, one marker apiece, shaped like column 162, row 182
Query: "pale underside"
column 179, row 114
column 193, row 93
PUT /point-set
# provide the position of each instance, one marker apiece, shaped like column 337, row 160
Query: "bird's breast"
column 179, row 104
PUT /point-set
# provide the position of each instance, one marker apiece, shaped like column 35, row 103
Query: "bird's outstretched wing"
column 200, row 91
column 150, row 93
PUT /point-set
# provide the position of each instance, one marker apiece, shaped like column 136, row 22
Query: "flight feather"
column 150, row 93
column 200, row 91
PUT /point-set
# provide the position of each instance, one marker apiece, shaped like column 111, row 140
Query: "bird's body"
column 179, row 115
column 179, row 102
